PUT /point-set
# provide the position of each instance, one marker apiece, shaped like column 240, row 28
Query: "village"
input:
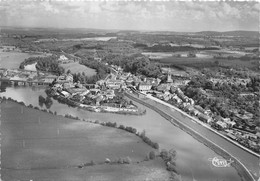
column 107, row 95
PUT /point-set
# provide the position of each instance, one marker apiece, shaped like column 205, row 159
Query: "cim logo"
column 220, row 162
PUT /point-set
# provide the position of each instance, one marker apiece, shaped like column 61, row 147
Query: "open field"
column 38, row 145
column 78, row 68
column 208, row 62
column 151, row 171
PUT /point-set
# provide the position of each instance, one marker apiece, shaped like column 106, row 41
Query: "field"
column 40, row 146
column 208, row 62
column 78, row 68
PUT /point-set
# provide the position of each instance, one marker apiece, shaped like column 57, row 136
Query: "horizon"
column 173, row 16
column 117, row 30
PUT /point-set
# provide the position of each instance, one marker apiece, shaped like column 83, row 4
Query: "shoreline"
column 244, row 173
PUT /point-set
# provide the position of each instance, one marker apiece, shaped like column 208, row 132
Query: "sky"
column 182, row 16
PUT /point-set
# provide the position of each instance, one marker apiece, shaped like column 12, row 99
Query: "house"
column 114, row 84
column 200, row 109
column 167, row 97
column 94, row 91
column 75, row 91
column 63, row 59
column 177, row 99
column 124, row 76
column 100, row 82
column 221, row 125
column 68, row 85
column 229, row 123
column 250, row 136
column 99, row 99
column 152, row 81
column 69, row 77
column 189, row 108
column 65, row 93
column 258, row 134
column 49, row 79
column 8, row 48
column 65, row 78
column 144, row 87
column 129, row 81
column 164, row 87
column 109, row 94
column 205, row 118
column 191, row 101
column 230, row 135
column 58, row 86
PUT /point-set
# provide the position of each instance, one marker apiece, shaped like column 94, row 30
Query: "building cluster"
column 64, row 60
column 8, row 48
column 239, row 128
column 234, row 129
column 100, row 94
column 25, row 77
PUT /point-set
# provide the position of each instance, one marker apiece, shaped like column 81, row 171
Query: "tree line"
column 136, row 64
column 48, row 64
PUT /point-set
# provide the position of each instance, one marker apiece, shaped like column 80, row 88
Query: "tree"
column 127, row 160
column 41, row 100
column 151, row 155
column 142, row 135
column 164, row 154
column 48, row 102
column 172, row 154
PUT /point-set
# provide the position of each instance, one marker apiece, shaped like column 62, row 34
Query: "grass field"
column 40, row 146
column 78, row 68
column 208, row 62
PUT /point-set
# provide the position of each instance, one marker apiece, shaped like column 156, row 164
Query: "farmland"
column 78, row 68
column 38, row 145
column 207, row 62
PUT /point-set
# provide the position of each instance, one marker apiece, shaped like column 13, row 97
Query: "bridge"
column 24, row 82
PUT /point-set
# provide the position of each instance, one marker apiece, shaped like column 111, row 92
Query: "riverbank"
column 50, row 147
column 242, row 170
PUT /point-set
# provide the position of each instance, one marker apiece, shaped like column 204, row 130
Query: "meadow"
column 40, row 146
column 207, row 62
column 78, row 68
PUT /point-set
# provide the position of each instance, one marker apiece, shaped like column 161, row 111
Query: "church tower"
column 169, row 77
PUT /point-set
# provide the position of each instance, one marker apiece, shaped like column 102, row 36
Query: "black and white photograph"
column 147, row 90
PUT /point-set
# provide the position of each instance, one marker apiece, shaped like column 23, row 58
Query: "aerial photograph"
column 129, row 90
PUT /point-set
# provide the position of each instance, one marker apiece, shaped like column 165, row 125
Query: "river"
column 12, row 60
column 192, row 156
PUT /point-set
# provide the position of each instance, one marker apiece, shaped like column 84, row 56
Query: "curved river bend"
column 192, row 156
